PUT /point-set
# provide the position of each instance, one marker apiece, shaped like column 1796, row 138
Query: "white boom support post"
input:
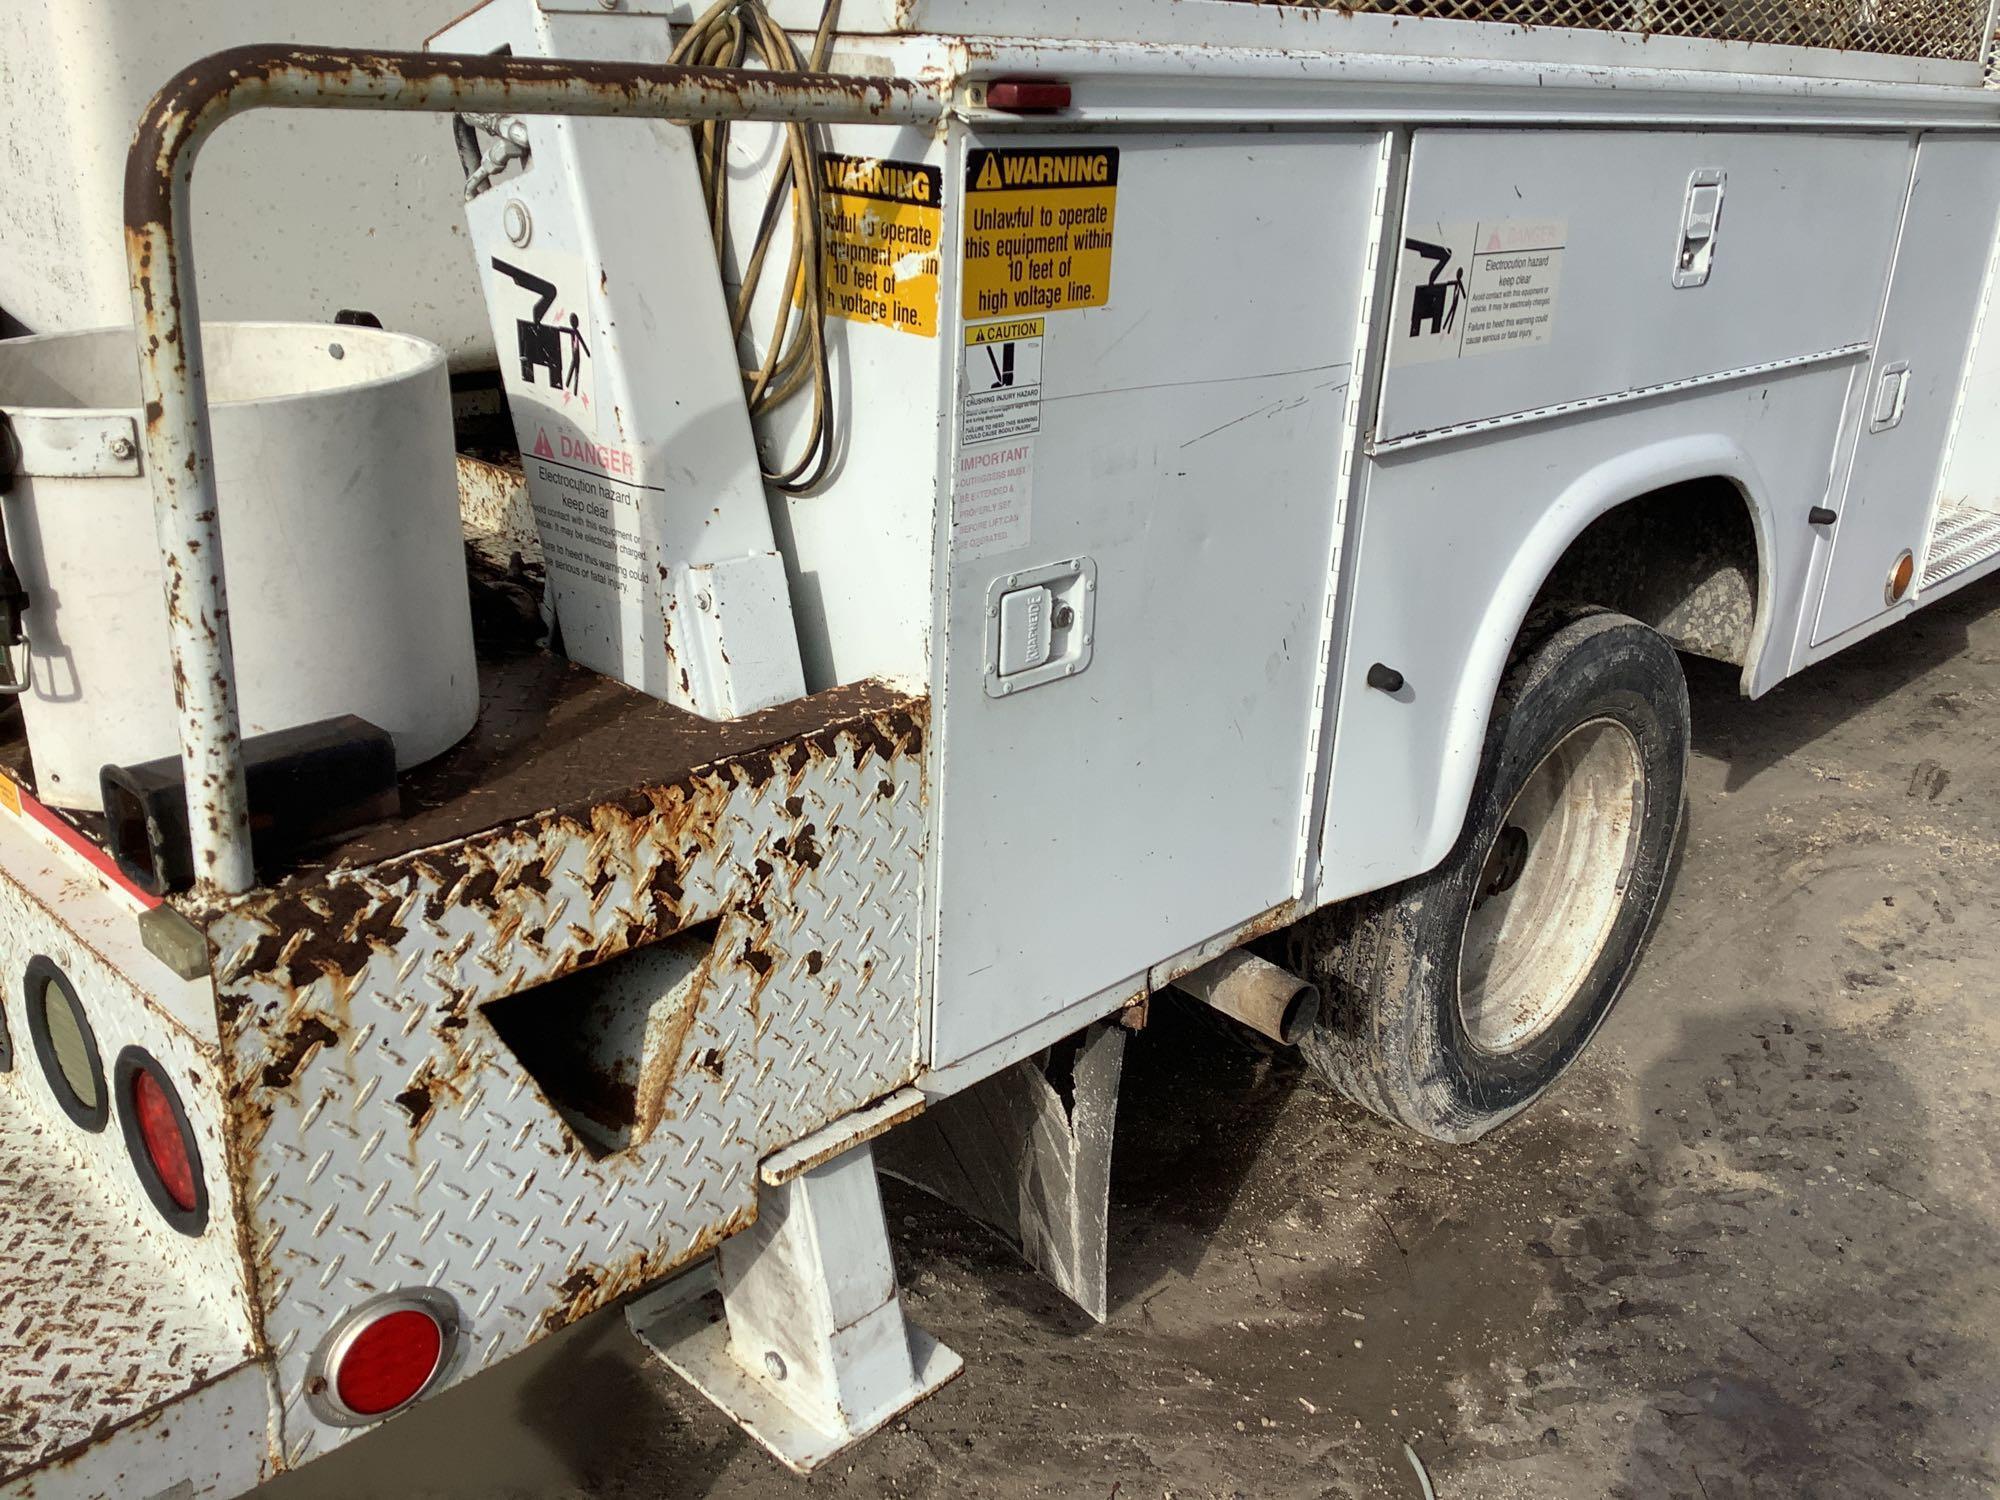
column 809, row 1350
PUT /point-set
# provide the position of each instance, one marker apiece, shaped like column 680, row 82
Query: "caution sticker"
column 1038, row 226
column 1477, row 288
column 1000, row 382
column 881, row 227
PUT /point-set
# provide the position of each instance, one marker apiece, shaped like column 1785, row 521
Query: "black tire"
column 1393, row 1032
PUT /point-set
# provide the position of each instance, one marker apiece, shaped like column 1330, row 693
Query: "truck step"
column 1964, row 535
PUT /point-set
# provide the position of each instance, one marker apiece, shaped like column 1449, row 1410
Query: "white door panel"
column 1189, row 452
column 1578, row 298
column 1912, row 389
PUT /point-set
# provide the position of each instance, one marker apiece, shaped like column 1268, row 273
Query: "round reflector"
column 383, row 1356
column 389, row 1363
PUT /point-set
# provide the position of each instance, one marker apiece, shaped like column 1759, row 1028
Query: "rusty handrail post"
column 179, row 457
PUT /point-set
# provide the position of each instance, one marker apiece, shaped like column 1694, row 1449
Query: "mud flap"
column 1027, row 1152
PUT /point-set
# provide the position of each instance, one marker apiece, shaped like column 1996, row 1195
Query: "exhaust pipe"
column 1261, row 995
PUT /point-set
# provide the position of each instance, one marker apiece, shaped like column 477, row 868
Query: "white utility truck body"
column 1219, row 388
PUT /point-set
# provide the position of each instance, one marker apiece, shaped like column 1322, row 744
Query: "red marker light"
column 388, row 1362
column 165, row 1141
column 1027, row 96
column 160, row 1140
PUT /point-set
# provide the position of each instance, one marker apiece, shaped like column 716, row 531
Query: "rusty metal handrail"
column 179, row 455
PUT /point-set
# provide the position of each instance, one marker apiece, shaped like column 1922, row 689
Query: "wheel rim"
column 1551, row 886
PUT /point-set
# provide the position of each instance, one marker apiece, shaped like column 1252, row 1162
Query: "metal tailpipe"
column 1261, row 995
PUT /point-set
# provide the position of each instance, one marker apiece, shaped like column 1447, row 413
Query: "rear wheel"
column 1452, row 1001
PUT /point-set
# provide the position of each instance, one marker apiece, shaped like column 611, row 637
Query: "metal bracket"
column 1027, row 1152
column 509, row 144
column 74, row 445
column 799, row 1333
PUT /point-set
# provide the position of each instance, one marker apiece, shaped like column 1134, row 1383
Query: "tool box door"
column 1911, row 390
column 1147, row 464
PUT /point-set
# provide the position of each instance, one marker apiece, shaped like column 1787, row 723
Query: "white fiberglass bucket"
column 338, row 493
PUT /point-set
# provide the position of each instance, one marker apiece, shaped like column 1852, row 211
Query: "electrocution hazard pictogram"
column 1038, row 227
column 1477, row 288
column 882, row 223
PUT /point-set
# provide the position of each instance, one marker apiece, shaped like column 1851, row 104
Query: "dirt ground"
column 1749, row 1247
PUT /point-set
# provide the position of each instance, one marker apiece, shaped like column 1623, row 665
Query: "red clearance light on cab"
column 160, row 1140
column 383, row 1356
column 1027, row 96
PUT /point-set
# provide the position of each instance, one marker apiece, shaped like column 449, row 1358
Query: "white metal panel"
column 1914, row 384
column 1189, row 448
column 299, row 213
column 622, row 380
column 859, row 549
column 1455, row 540
column 1807, row 229
column 1972, row 460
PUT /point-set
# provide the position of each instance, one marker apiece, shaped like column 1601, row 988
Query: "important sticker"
column 1038, row 229
column 1000, row 381
column 882, row 223
column 1478, row 288
column 991, row 499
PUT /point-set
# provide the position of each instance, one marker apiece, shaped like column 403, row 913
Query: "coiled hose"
column 734, row 34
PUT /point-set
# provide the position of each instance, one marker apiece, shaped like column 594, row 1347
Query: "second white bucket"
column 345, row 563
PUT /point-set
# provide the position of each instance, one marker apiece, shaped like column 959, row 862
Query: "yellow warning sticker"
column 883, row 220
column 1038, row 228
column 979, row 335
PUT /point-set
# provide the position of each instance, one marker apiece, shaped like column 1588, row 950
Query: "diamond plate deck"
column 92, row 1335
column 386, row 1136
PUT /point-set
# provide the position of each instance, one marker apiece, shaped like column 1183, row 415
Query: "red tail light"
column 160, row 1140
column 383, row 1356
column 165, row 1146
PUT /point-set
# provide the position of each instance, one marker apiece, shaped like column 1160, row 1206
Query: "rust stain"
column 591, row 1287
column 306, row 1035
column 418, row 1100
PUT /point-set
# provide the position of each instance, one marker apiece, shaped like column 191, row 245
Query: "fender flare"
column 1586, row 498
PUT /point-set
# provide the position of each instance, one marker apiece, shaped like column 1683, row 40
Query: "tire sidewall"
column 1599, row 667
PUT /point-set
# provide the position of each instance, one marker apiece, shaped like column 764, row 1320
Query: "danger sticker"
column 1000, row 381
column 1038, row 227
column 1478, row 288
column 882, row 223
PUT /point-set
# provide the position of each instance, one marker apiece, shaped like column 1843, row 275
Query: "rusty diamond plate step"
column 92, row 1335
